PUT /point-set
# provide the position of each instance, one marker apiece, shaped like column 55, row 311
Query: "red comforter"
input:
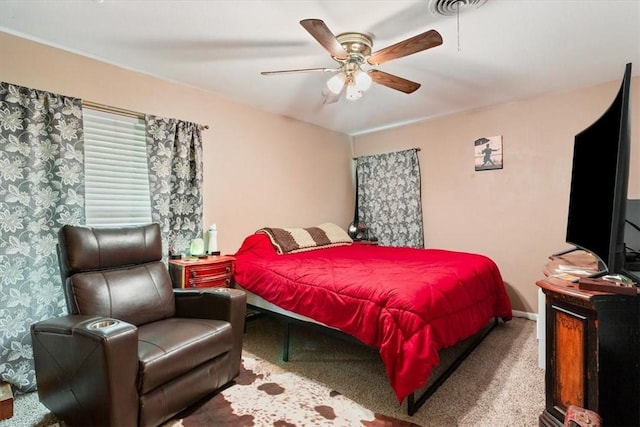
column 408, row 303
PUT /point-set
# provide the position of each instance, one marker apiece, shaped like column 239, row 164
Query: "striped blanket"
column 292, row 240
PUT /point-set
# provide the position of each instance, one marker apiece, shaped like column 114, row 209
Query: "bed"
column 407, row 303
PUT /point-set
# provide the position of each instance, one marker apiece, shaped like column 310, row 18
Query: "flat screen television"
column 599, row 183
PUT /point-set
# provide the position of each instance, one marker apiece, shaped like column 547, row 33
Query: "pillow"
column 292, row 240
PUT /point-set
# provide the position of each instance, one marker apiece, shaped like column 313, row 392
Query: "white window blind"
column 116, row 171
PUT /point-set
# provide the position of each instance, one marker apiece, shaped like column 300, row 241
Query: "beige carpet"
column 500, row 384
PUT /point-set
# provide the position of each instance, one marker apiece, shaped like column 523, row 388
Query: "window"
column 116, row 171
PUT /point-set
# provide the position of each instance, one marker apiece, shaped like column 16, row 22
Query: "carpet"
column 266, row 395
column 498, row 385
column 330, row 382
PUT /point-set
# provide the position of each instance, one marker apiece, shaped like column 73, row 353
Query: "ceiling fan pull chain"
column 458, row 22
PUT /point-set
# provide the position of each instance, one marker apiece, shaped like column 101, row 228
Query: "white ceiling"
column 502, row 51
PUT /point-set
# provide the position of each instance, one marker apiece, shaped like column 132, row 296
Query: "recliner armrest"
column 216, row 303
column 211, row 303
column 92, row 326
column 88, row 363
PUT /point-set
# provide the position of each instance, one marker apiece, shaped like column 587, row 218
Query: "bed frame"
column 413, row 403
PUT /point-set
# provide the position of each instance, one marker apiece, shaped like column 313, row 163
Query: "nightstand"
column 209, row 272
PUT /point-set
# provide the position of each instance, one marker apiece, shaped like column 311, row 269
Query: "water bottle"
column 212, row 246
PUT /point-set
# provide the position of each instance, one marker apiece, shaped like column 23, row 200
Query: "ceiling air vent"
column 453, row 7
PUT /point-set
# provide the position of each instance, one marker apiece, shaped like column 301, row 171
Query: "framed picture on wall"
column 488, row 153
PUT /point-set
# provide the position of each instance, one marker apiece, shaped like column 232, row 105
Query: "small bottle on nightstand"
column 212, row 245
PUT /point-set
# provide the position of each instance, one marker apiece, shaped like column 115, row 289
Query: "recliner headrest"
column 85, row 248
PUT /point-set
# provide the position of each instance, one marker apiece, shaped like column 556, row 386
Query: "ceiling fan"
column 352, row 51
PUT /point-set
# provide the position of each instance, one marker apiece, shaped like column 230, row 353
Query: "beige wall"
column 266, row 170
column 516, row 215
column 260, row 169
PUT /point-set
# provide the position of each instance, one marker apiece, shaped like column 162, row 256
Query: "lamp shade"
column 362, row 80
column 335, row 83
column 353, row 92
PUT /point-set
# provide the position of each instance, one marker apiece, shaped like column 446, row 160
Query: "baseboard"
column 526, row 315
column 539, row 332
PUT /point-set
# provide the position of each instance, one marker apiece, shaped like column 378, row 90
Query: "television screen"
column 599, row 182
column 632, row 237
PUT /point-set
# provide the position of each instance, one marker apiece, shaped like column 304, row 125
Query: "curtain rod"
column 121, row 111
column 417, row 149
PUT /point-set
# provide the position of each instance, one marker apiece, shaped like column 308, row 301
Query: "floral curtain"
column 41, row 188
column 174, row 150
column 389, row 201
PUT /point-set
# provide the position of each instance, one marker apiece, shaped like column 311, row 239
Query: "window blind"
column 116, row 171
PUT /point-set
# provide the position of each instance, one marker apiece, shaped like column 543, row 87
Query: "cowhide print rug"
column 265, row 395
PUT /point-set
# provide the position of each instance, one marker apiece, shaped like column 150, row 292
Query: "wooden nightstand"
column 6, row 401
column 209, row 272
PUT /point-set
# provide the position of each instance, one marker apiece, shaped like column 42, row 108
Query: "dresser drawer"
column 201, row 271
column 210, row 282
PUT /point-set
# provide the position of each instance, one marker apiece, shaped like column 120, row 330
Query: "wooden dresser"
column 207, row 272
column 592, row 347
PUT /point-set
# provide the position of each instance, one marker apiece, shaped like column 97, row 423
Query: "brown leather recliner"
column 133, row 350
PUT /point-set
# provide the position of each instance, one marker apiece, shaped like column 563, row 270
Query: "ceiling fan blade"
column 415, row 44
column 301, row 70
column 319, row 30
column 393, row 82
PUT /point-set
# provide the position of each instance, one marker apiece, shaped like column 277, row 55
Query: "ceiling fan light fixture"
column 336, row 83
column 353, row 92
column 362, row 80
